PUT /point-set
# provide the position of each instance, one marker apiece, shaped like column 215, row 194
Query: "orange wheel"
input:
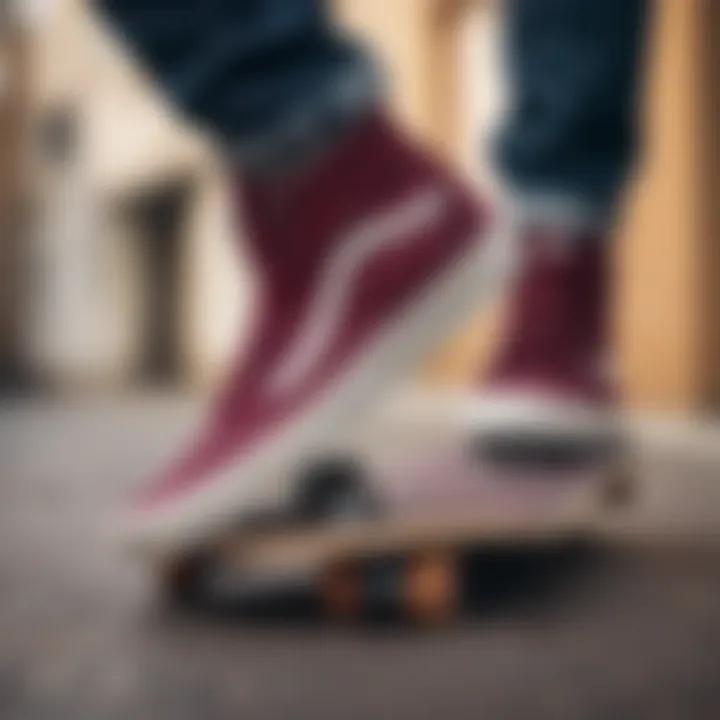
column 431, row 588
column 341, row 592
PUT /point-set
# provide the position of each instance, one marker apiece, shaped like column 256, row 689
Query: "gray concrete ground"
column 632, row 631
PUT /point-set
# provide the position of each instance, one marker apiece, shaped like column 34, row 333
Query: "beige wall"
column 662, row 306
column 87, row 327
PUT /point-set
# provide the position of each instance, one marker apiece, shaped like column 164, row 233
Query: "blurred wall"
column 14, row 112
column 131, row 247
column 667, row 259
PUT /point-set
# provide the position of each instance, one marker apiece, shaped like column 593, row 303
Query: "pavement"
column 630, row 630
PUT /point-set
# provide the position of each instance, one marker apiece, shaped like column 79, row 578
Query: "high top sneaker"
column 549, row 394
column 367, row 261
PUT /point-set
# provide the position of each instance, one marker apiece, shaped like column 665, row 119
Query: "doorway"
column 158, row 219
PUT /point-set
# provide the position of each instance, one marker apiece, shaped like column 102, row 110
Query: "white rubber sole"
column 263, row 478
column 535, row 414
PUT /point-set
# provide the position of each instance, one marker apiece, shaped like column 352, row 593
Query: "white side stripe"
column 338, row 280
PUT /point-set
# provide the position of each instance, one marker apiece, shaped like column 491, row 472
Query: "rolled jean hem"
column 310, row 125
column 557, row 207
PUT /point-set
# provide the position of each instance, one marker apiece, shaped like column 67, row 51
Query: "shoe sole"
column 533, row 415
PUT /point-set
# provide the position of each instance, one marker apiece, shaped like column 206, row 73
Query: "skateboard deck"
column 396, row 535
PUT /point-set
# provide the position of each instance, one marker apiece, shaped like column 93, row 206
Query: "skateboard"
column 386, row 532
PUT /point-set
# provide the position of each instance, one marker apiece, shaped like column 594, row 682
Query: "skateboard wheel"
column 422, row 589
column 431, row 588
column 341, row 592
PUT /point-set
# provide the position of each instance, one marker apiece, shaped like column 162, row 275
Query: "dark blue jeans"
column 271, row 77
column 575, row 66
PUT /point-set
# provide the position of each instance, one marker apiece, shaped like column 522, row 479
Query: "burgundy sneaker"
column 368, row 260
column 550, row 387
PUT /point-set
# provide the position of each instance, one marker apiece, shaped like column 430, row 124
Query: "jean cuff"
column 558, row 209
column 312, row 125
